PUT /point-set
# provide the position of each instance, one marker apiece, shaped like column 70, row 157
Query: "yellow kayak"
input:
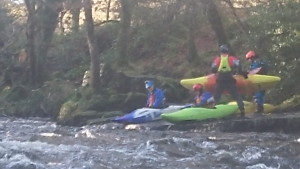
column 250, row 107
column 247, row 86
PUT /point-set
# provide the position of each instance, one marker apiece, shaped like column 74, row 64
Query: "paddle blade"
column 254, row 71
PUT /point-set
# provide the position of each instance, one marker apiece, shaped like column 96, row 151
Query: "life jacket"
column 224, row 66
column 156, row 98
column 151, row 99
column 197, row 99
column 204, row 100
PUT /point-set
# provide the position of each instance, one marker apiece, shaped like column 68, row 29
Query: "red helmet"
column 197, row 87
column 250, row 55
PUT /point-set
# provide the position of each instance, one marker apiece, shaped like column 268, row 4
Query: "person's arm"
column 159, row 98
column 264, row 67
column 237, row 65
column 238, row 68
column 214, row 66
column 148, row 102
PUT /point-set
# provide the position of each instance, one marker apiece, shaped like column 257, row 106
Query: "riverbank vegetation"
column 47, row 46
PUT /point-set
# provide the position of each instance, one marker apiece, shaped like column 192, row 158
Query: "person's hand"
column 244, row 74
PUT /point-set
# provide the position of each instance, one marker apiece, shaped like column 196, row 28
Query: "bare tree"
column 122, row 44
column 31, row 9
column 42, row 20
column 75, row 11
column 215, row 20
column 243, row 28
column 108, row 9
column 191, row 18
column 93, row 48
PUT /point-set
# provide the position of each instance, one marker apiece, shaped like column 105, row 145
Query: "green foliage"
column 158, row 46
column 4, row 18
column 69, row 51
column 46, row 101
column 157, row 29
column 146, row 39
column 274, row 34
column 107, row 38
column 6, row 25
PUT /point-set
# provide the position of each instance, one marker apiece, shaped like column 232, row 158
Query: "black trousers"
column 226, row 82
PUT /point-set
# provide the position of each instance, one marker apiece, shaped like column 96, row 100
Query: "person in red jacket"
column 225, row 66
column 202, row 98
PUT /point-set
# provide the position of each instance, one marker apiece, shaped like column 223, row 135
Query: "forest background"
column 47, row 45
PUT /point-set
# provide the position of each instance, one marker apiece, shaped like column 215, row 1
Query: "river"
column 37, row 143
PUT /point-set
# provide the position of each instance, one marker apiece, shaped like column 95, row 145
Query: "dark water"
column 41, row 144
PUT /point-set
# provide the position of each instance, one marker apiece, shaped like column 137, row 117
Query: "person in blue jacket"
column 261, row 65
column 156, row 96
column 202, row 99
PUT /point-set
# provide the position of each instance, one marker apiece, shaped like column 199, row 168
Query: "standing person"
column 257, row 63
column 156, row 96
column 202, row 99
column 224, row 67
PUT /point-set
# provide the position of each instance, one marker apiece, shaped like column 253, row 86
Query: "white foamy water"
column 41, row 144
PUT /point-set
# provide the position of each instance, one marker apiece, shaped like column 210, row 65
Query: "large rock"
column 45, row 101
column 88, row 107
column 286, row 122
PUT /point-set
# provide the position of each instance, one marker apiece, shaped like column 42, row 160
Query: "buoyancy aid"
column 224, row 66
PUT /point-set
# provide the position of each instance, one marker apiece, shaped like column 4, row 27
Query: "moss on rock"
column 98, row 106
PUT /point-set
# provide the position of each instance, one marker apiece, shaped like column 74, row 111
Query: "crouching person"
column 156, row 96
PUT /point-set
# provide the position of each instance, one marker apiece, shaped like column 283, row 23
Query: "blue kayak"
column 144, row 115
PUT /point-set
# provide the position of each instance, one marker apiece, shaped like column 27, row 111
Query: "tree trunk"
column 30, row 32
column 42, row 21
column 75, row 12
column 61, row 23
column 108, row 9
column 191, row 17
column 215, row 20
column 242, row 26
column 47, row 16
column 93, row 48
column 122, row 44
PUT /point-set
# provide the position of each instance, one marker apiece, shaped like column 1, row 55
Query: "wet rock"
column 287, row 123
column 284, row 122
column 112, row 126
column 79, row 119
column 23, row 166
column 200, row 126
column 21, row 161
column 2, row 152
column 90, row 108
column 134, row 127
column 290, row 104
column 2, row 127
column 22, row 101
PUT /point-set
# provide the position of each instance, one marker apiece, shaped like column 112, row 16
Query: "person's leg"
column 259, row 100
column 218, row 92
column 233, row 91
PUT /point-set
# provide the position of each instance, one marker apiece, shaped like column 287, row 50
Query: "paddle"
column 254, row 71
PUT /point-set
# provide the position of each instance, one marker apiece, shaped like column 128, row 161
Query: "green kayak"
column 198, row 113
